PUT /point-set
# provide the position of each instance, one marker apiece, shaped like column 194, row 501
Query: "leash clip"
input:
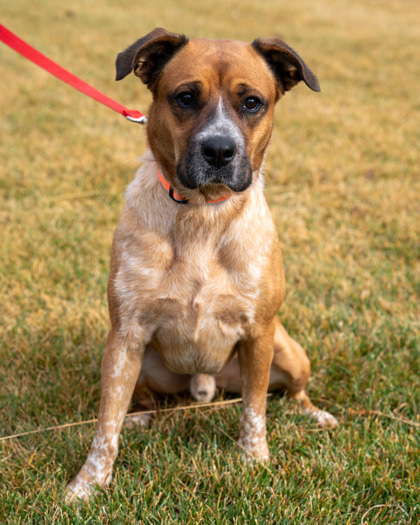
column 139, row 120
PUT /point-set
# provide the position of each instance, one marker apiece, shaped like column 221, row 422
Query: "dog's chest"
column 197, row 331
column 195, row 310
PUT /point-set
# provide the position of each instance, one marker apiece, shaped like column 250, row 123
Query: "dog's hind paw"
column 324, row 418
column 140, row 421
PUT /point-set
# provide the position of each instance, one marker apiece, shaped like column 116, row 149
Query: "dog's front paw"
column 86, row 484
column 255, row 450
column 202, row 387
column 252, row 436
column 77, row 491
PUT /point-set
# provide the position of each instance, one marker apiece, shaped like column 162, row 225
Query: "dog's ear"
column 148, row 56
column 285, row 63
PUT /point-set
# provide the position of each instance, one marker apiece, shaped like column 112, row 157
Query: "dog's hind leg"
column 144, row 401
column 290, row 372
column 155, row 378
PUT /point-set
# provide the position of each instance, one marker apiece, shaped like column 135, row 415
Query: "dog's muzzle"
column 215, row 159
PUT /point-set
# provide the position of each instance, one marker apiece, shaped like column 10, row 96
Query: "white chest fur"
column 193, row 312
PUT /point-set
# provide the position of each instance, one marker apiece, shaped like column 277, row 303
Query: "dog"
column 196, row 276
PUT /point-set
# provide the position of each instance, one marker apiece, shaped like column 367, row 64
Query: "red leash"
column 41, row 60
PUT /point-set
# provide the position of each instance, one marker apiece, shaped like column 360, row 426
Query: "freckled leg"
column 290, row 371
column 121, row 366
column 255, row 357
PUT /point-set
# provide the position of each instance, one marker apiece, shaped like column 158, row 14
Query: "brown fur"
column 194, row 289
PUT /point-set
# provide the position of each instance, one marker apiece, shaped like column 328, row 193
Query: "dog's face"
column 213, row 102
column 217, row 117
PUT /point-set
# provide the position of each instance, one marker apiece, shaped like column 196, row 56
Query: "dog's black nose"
column 218, row 151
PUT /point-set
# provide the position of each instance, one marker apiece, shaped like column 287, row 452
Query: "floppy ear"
column 148, row 56
column 285, row 63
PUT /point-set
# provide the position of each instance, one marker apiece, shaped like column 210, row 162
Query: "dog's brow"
column 193, row 85
column 244, row 88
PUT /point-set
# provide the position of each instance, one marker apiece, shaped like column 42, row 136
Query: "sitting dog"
column 196, row 276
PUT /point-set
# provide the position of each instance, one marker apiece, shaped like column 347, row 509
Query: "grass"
column 344, row 187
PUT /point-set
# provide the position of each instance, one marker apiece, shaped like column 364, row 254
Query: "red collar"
column 176, row 196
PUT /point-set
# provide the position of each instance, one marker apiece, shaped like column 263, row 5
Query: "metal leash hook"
column 140, row 120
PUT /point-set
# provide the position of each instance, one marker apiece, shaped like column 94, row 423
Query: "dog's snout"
column 218, row 151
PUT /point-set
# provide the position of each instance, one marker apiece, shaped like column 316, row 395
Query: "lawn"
column 343, row 182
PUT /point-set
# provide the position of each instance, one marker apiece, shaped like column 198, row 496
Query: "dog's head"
column 213, row 101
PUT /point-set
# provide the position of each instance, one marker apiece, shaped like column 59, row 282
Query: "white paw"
column 93, row 476
column 80, row 490
column 256, row 452
column 252, row 438
column 138, row 421
column 77, row 494
column 203, row 387
column 324, row 419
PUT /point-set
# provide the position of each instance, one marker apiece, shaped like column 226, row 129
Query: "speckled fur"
column 194, row 289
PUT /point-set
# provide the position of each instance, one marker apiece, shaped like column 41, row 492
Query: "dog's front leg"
column 121, row 366
column 255, row 357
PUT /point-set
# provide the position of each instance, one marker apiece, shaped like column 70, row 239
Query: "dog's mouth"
column 193, row 178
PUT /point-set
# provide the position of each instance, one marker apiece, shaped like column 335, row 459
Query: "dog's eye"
column 186, row 99
column 252, row 104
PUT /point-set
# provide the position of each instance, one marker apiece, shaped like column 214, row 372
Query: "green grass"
column 343, row 182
